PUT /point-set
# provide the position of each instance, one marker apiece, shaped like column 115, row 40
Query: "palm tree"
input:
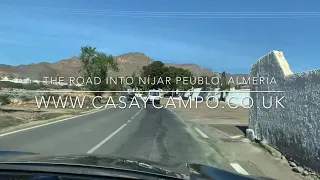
column 223, row 85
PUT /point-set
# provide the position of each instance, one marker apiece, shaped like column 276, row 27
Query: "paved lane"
column 74, row 136
column 146, row 133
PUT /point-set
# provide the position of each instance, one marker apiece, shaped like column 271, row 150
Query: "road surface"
column 146, row 133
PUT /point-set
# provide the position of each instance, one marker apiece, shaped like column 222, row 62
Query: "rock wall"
column 293, row 129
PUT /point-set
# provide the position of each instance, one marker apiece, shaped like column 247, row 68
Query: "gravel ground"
column 224, row 118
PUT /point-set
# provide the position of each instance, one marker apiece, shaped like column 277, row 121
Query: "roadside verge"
column 244, row 156
column 35, row 124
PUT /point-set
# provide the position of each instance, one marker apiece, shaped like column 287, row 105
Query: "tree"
column 96, row 64
column 117, row 85
column 154, row 72
column 157, row 70
column 223, row 85
column 171, row 72
column 11, row 76
column 135, row 83
column 204, row 84
column 184, row 73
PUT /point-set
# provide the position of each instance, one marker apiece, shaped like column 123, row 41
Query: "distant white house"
column 35, row 81
column 5, row 78
column 28, row 81
column 57, row 83
column 17, row 80
column 238, row 97
column 78, row 85
column 21, row 80
column 197, row 92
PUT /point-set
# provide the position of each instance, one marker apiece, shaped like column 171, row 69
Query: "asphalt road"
column 144, row 133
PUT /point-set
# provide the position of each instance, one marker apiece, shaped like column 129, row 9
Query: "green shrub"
column 65, row 87
column 4, row 100
column 53, row 86
column 32, row 86
column 8, row 84
column 47, row 95
column 25, row 98
column 76, row 88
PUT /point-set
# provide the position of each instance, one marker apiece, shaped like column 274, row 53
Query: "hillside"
column 128, row 63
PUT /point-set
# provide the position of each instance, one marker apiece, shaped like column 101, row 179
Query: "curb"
column 304, row 171
column 224, row 133
column 271, row 150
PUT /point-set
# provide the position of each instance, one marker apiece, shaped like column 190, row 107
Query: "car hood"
column 122, row 163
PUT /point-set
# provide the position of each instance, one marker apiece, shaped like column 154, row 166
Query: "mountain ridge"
column 129, row 63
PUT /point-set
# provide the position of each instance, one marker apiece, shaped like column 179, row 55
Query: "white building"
column 36, row 81
column 21, row 80
column 5, row 78
column 28, row 81
column 17, row 80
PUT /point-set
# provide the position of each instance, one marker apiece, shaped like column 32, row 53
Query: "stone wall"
column 295, row 128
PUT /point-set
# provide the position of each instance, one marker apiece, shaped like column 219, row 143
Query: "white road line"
column 239, row 169
column 236, row 136
column 201, row 133
column 112, row 134
column 46, row 124
column 136, row 113
column 106, row 139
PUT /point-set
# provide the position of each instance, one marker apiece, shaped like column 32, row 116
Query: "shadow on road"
column 243, row 128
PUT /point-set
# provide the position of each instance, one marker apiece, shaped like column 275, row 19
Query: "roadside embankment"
column 18, row 108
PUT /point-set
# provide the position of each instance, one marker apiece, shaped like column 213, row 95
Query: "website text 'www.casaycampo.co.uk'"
column 211, row 102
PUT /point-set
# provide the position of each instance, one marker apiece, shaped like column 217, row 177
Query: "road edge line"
column 136, row 114
column 201, row 133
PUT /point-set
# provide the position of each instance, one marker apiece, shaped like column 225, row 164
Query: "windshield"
column 226, row 85
column 154, row 93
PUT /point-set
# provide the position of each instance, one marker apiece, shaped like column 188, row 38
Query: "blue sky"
column 39, row 30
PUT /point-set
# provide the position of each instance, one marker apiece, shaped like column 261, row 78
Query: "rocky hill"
column 128, row 63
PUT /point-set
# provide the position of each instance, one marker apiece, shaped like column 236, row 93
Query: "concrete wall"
column 295, row 129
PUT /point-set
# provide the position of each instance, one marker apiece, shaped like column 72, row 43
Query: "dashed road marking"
column 239, row 169
column 106, row 139
column 112, row 134
column 136, row 113
column 201, row 133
